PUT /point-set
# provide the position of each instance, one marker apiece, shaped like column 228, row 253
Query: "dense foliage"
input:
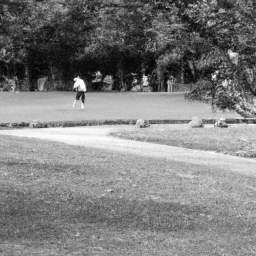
column 187, row 39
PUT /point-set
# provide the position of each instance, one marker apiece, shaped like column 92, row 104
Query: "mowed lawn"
column 58, row 199
column 57, row 106
column 236, row 140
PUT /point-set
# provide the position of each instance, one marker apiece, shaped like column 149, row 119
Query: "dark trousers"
column 80, row 95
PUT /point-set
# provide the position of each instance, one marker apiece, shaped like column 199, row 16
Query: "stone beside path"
column 50, row 124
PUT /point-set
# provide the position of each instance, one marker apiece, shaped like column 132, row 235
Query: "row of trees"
column 189, row 39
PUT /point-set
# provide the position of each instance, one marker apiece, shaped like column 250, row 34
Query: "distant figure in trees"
column 98, row 77
column 145, row 81
column 170, row 82
column 80, row 88
column 135, row 87
column 12, row 84
column 134, row 81
column 97, row 81
column 17, row 88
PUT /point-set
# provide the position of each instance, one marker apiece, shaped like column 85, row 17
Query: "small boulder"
column 221, row 122
column 196, row 122
column 147, row 89
column 136, row 88
column 142, row 123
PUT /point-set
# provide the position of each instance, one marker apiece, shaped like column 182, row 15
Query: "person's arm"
column 84, row 85
column 76, row 84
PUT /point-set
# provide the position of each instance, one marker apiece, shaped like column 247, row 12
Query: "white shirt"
column 145, row 81
column 80, row 85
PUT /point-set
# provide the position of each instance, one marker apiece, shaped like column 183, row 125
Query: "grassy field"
column 236, row 140
column 58, row 199
column 57, row 106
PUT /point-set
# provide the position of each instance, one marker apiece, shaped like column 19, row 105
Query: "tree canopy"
column 185, row 38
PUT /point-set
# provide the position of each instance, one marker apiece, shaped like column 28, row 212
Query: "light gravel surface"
column 98, row 137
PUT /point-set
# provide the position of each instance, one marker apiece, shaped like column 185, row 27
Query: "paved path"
column 98, row 137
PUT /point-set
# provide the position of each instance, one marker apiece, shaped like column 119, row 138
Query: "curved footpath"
column 98, row 137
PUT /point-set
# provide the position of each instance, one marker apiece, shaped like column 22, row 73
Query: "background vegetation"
column 186, row 39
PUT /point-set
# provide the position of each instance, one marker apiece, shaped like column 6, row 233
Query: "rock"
column 41, row 83
column 196, row 122
column 107, row 87
column 147, row 89
column 136, row 88
column 108, row 79
column 142, row 123
column 107, row 83
column 123, row 89
column 33, row 124
column 221, row 122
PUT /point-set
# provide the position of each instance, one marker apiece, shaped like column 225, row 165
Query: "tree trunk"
column 192, row 69
column 160, row 77
column 182, row 72
column 53, row 76
column 26, row 78
column 120, row 71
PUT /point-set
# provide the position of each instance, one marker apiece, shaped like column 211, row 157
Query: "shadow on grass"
column 54, row 197
column 51, row 216
column 26, row 216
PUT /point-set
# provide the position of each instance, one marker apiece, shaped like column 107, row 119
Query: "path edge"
column 50, row 124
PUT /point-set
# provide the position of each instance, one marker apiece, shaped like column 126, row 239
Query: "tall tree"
column 230, row 27
column 22, row 21
column 172, row 40
column 119, row 34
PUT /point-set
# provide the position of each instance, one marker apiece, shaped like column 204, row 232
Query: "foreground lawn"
column 58, row 199
column 237, row 140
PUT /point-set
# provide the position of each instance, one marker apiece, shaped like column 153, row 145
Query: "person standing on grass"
column 170, row 83
column 80, row 88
